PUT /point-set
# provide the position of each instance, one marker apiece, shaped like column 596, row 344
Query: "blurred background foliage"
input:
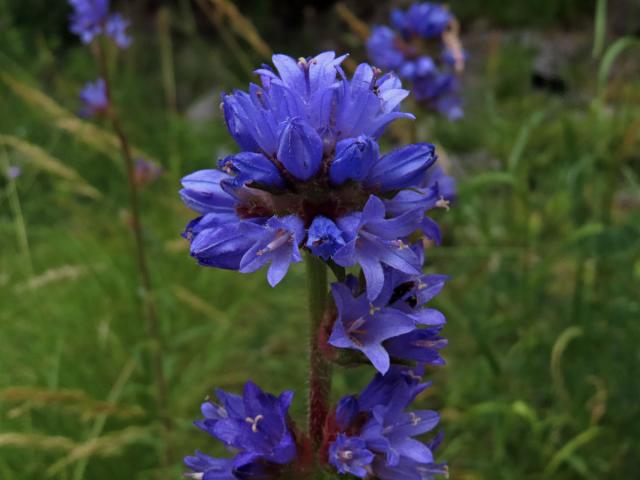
column 542, row 245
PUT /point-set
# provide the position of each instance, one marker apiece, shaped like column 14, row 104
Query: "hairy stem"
column 148, row 302
column 319, row 368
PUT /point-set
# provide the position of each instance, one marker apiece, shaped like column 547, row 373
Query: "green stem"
column 16, row 207
column 319, row 367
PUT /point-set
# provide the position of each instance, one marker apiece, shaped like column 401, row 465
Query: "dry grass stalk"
column 101, row 420
column 104, row 446
column 195, row 302
column 451, row 39
column 33, row 397
column 53, row 275
column 34, row 441
column 216, row 18
column 41, row 159
column 360, row 28
column 243, row 27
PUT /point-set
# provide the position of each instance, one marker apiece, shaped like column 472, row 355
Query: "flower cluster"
column 401, row 47
column 311, row 176
column 311, row 179
column 373, row 434
column 255, row 426
column 91, row 18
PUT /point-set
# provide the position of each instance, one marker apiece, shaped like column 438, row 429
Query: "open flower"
column 255, row 426
column 363, row 325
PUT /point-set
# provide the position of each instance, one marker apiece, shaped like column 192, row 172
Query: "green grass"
column 542, row 247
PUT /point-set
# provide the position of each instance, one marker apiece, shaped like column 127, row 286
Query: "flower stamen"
column 254, row 422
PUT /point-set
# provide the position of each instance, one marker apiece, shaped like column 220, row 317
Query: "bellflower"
column 310, row 178
column 374, row 240
column 363, row 326
column 434, row 79
column 350, row 455
column 324, row 237
column 391, row 326
column 309, row 174
column 427, row 20
column 91, row 18
column 94, row 98
column 277, row 244
column 378, row 441
column 255, row 426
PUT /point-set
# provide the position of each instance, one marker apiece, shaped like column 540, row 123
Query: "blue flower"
column 426, row 20
column 382, row 432
column 445, row 185
column 408, row 469
column 94, row 98
column 383, row 50
column 252, row 167
column 254, row 425
column 374, row 240
column 441, row 91
column 420, row 345
column 204, row 192
column 434, row 80
column 364, row 326
column 115, row 28
column 354, row 158
column 399, row 381
column 91, row 18
column 397, row 325
column 350, row 455
column 222, row 246
column 300, row 148
column 324, row 237
column 204, row 466
column 402, row 168
column 277, row 244
column 88, row 18
column 307, row 175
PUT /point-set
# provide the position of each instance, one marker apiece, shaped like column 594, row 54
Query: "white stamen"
column 442, row 203
column 280, row 239
column 400, row 244
column 415, row 419
column 346, row 454
column 254, row 422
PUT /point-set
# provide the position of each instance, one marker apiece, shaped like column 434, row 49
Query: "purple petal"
column 300, row 149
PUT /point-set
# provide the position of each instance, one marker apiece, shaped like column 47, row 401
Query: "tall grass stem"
column 16, row 207
column 148, row 301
